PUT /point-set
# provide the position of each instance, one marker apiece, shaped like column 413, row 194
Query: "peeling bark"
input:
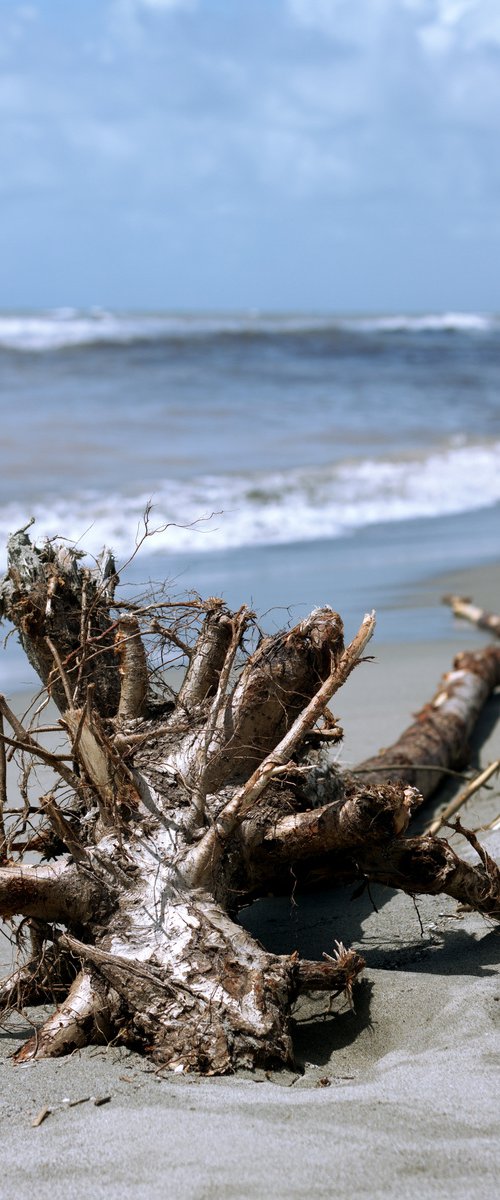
column 46, row 594
column 84, row 1016
column 133, row 668
column 337, row 827
column 176, row 812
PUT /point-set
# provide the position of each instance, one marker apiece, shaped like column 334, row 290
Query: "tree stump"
column 171, row 812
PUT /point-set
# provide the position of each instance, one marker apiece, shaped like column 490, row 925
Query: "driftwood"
column 464, row 607
column 168, row 813
column 438, row 739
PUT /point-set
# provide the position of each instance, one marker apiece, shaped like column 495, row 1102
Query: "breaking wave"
column 67, row 328
column 214, row 513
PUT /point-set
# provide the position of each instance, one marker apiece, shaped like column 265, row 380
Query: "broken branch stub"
column 47, row 595
column 173, row 812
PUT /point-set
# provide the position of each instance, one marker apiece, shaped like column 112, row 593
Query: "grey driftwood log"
column 169, row 812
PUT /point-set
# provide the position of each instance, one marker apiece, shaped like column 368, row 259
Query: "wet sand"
column 393, row 1099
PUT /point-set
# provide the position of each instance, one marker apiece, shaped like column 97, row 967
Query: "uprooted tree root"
column 168, row 813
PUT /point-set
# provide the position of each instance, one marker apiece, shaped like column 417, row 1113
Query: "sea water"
column 285, row 460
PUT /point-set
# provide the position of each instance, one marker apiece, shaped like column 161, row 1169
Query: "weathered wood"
column 46, row 593
column 58, row 891
column 439, row 737
column 3, row 789
column 332, row 828
column 133, row 668
column 463, row 607
column 83, row 1016
column 429, row 865
column 470, row 790
column 204, row 858
column 172, row 813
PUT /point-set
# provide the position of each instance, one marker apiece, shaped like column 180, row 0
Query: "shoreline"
column 411, row 1073
column 409, row 610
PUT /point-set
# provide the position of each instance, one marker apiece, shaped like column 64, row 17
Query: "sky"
column 326, row 155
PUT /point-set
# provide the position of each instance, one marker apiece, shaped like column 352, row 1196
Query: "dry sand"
column 409, row 1106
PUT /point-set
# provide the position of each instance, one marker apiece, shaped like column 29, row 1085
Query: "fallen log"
column 176, row 811
column 438, row 739
column 462, row 606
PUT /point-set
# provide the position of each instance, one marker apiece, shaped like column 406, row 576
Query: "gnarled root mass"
column 167, row 813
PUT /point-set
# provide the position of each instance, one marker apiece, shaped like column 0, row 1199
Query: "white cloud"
column 438, row 25
column 465, row 25
column 431, row 52
column 381, row 107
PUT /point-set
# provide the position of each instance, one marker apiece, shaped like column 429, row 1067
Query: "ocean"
column 290, row 460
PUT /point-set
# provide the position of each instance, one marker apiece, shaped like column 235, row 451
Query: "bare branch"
column 62, row 673
column 206, row 662
column 24, row 741
column 341, row 825
column 103, row 765
column 63, row 828
column 238, row 625
column 336, row 974
column 170, row 635
column 428, row 865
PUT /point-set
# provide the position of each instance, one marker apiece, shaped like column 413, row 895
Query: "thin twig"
column 27, row 743
column 62, row 673
column 400, row 766
column 169, row 635
column 62, row 827
column 463, row 796
column 32, row 747
column 491, row 868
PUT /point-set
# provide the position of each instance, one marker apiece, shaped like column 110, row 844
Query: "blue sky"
column 215, row 154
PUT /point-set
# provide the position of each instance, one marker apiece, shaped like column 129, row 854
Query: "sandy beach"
column 392, row 1099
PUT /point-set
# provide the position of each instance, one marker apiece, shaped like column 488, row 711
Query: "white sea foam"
column 450, row 322
column 66, row 328
column 214, row 513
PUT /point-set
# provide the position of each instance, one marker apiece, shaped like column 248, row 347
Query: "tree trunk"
column 173, row 813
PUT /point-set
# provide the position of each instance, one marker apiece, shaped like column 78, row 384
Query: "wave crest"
column 216, row 513
column 68, row 328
